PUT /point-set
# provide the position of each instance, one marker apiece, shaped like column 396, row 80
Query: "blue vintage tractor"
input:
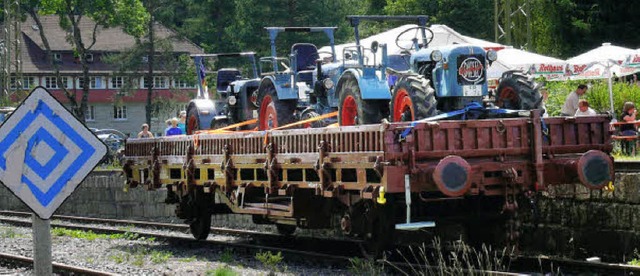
column 448, row 78
column 362, row 89
column 299, row 86
column 238, row 95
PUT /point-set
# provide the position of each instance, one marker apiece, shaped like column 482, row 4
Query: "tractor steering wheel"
column 417, row 35
column 328, row 56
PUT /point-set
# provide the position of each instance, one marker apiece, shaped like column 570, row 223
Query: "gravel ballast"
column 141, row 256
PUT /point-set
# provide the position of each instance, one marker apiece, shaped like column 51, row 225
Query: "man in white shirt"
column 570, row 106
column 584, row 109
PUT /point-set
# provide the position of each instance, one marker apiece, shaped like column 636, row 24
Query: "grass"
column 224, row 270
column 8, row 233
column 137, row 256
column 227, row 256
column 91, row 236
column 188, row 259
column 269, row 260
column 462, row 259
column 365, row 267
column 636, row 260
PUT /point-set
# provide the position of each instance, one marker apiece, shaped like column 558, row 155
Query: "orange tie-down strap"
column 310, row 120
column 227, row 128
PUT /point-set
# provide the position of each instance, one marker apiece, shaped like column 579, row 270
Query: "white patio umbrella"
column 599, row 63
column 538, row 65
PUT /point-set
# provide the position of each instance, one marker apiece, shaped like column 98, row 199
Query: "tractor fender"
column 371, row 88
column 282, row 86
column 206, row 111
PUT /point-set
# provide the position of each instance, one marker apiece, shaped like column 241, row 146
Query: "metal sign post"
column 41, row 246
column 45, row 153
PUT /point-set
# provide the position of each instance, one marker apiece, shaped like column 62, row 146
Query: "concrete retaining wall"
column 592, row 223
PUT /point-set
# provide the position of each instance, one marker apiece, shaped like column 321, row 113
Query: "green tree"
column 129, row 14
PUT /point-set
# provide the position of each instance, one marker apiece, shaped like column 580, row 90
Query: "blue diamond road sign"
column 45, row 153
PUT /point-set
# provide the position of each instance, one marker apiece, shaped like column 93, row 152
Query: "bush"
column 597, row 95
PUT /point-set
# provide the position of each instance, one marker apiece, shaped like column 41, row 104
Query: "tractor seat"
column 225, row 77
column 306, row 56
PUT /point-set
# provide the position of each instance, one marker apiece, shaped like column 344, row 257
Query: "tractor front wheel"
column 353, row 110
column 413, row 99
column 193, row 120
column 273, row 112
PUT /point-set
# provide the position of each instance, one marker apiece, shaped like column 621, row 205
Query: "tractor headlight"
column 492, row 55
column 436, row 56
column 327, row 83
column 232, row 100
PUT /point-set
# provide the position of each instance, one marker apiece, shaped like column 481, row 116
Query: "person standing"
column 145, row 133
column 174, row 130
column 182, row 124
column 584, row 109
column 570, row 106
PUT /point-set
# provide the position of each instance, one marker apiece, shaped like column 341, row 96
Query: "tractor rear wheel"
column 353, row 110
column 273, row 112
column 193, row 120
column 413, row 99
column 517, row 91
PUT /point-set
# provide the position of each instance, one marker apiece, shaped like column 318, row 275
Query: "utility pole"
column 10, row 51
column 512, row 19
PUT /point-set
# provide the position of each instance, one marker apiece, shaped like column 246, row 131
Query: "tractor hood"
column 462, row 72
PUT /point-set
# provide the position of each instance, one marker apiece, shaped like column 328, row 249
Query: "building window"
column 51, row 82
column 145, row 82
column 160, row 82
column 182, row 84
column 65, row 82
column 89, row 113
column 119, row 112
column 27, row 82
column 96, row 82
column 116, row 82
column 89, row 57
column 57, row 57
column 80, row 82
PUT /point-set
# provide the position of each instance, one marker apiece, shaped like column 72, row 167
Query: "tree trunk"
column 56, row 68
column 150, row 65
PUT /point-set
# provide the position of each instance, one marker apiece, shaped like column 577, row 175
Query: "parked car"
column 5, row 112
column 114, row 139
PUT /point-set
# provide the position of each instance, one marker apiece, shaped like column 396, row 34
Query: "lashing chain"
column 510, row 209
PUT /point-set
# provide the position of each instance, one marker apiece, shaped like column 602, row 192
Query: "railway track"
column 21, row 261
column 294, row 249
column 288, row 246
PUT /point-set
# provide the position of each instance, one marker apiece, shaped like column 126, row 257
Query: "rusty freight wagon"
column 376, row 178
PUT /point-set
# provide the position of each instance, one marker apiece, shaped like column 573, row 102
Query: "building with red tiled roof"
column 108, row 107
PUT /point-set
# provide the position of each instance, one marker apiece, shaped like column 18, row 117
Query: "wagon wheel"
column 285, row 229
column 517, row 91
column 201, row 226
column 353, row 110
column 378, row 237
column 193, row 120
column 413, row 99
column 273, row 112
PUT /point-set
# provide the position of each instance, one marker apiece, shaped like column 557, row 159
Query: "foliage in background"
column 597, row 95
